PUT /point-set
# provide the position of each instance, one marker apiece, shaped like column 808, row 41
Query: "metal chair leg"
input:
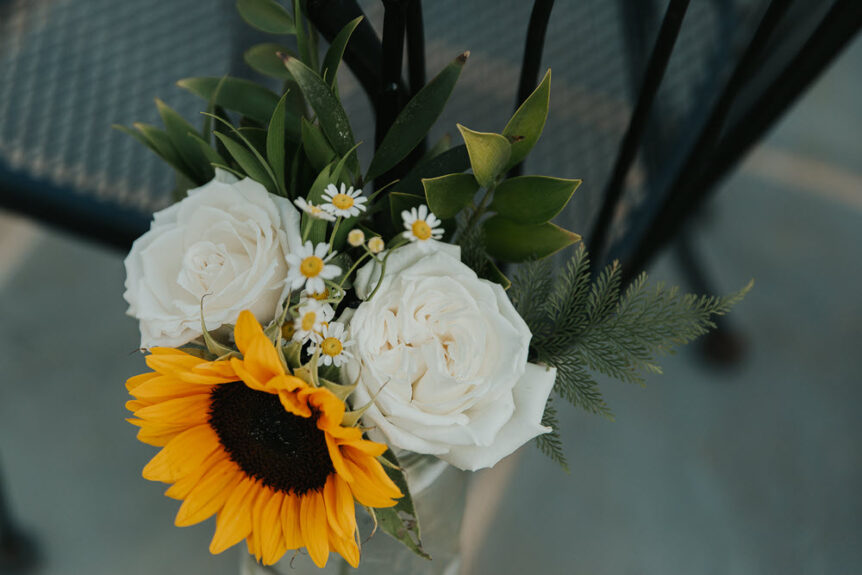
column 723, row 346
column 18, row 553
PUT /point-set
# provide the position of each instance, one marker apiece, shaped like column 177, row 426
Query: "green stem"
column 334, row 231
column 353, row 267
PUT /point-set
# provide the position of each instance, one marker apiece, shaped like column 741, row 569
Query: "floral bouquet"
column 305, row 329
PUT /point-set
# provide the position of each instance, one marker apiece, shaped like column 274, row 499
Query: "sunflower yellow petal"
column 183, row 486
column 313, row 517
column 346, row 547
column 182, row 454
column 271, row 537
column 191, row 410
column 292, row 404
column 337, row 458
column 234, row 520
column 330, row 499
column 164, row 387
column 209, row 495
column 257, row 530
column 371, row 486
column 290, row 522
column 247, row 329
column 137, row 380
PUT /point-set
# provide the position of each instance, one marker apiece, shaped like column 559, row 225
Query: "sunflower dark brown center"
column 284, row 451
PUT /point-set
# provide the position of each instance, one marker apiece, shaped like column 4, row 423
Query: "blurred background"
column 744, row 458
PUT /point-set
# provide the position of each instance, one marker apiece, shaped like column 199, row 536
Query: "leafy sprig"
column 583, row 327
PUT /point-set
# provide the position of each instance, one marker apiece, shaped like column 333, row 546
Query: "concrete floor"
column 750, row 471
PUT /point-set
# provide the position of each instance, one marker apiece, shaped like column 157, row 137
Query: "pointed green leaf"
column 494, row 274
column 318, row 150
column 449, row 194
column 264, row 59
column 417, row 117
column 401, row 521
column 525, row 127
column 275, row 144
column 243, row 96
column 212, row 156
column 266, row 15
column 331, row 116
column 247, row 161
column 510, row 241
column 489, row 154
column 336, row 52
column 453, row 160
column 159, row 142
column 179, row 130
column 533, row 199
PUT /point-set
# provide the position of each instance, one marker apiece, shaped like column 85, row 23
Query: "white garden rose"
column 443, row 356
column 225, row 242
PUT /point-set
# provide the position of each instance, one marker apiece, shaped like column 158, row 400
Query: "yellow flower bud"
column 356, row 237
column 376, row 245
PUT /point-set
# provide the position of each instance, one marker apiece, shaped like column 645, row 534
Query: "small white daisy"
column 376, row 245
column 356, row 237
column 308, row 268
column 333, row 345
column 311, row 319
column 345, row 203
column 313, row 211
column 421, row 224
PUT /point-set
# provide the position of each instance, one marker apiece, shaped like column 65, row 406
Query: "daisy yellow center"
column 321, row 295
column 308, row 321
column 342, row 201
column 331, row 346
column 421, row 229
column 311, row 266
column 287, row 330
column 284, row 451
column 315, row 210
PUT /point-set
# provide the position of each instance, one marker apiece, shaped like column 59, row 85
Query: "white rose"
column 227, row 240
column 443, row 354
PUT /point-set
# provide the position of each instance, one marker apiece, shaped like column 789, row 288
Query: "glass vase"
column 439, row 494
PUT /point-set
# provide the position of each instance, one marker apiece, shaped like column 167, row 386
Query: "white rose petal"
column 443, row 354
column 225, row 243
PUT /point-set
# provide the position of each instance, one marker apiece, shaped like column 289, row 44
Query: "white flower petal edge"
column 530, row 395
column 444, row 355
column 227, row 241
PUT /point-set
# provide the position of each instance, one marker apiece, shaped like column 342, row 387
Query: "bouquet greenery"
column 308, row 320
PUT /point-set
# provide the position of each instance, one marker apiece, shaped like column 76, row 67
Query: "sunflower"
column 245, row 439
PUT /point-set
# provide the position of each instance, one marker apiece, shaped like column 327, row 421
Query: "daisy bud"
column 376, row 245
column 356, row 237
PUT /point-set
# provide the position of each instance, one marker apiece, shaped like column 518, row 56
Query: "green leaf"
column 417, row 117
column 336, row 52
column 511, row 241
column 275, row 144
column 158, row 141
column 526, row 125
column 401, row 521
column 318, row 150
column 494, row 274
column 533, row 199
column 213, row 157
column 266, row 15
column 179, row 130
column 489, row 154
column 449, row 194
column 243, row 96
column 264, row 58
column 326, row 176
column 398, row 203
column 331, row 116
column 247, row 161
column 453, row 160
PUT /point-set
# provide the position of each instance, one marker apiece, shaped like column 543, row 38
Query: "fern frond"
column 550, row 443
column 530, row 290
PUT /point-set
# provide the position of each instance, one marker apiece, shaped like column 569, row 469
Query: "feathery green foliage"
column 583, row 327
column 550, row 443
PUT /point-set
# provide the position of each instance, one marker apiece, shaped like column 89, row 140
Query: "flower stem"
column 334, row 231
